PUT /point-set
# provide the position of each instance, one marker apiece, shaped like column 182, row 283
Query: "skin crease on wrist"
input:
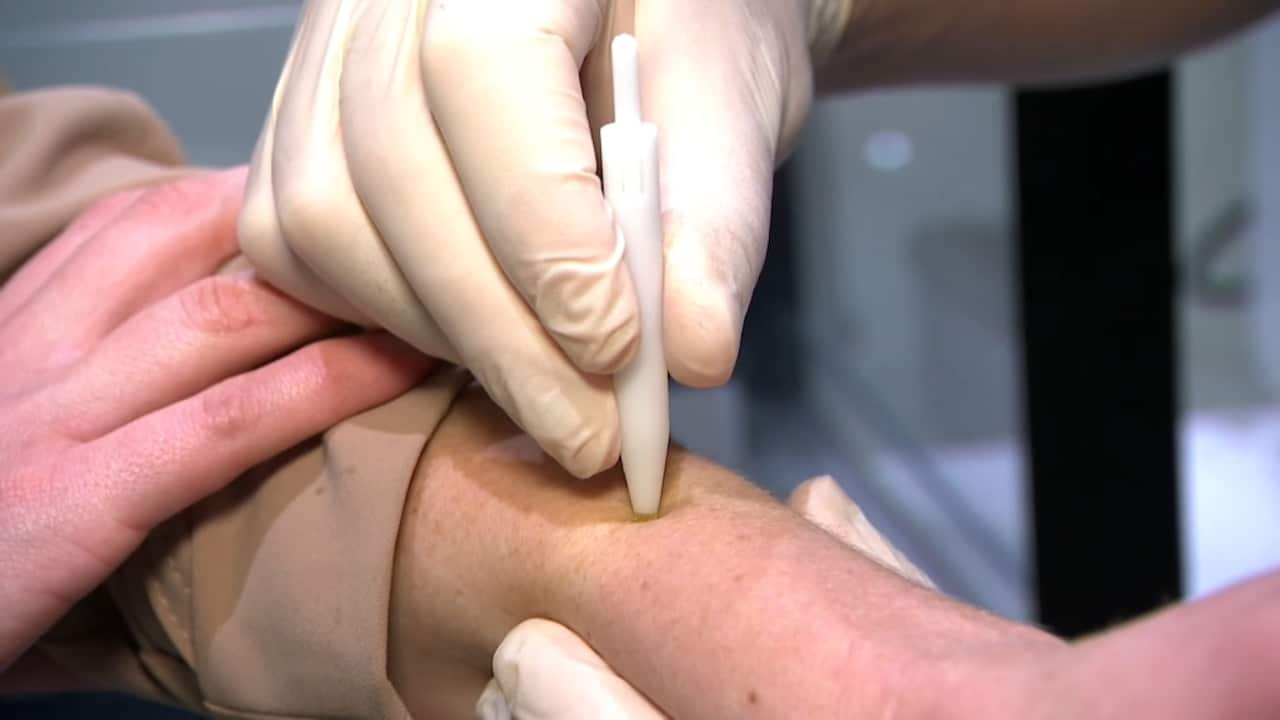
column 727, row 605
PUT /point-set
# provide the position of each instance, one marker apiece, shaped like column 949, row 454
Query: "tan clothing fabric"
column 61, row 149
column 269, row 599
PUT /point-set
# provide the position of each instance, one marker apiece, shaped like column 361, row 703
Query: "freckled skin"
column 730, row 606
column 493, row 533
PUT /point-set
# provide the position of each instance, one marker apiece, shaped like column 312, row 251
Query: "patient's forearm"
column 728, row 605
column 914, row 41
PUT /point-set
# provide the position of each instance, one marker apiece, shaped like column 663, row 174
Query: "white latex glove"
column 429, row 166
column 824, row 503
column 544, row 671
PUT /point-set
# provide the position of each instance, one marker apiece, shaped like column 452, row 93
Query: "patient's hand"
column 133, row 383
column 730, row 605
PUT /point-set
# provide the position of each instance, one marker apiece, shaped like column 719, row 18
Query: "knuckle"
column 189, row 209
column 458, row 33
column 228, row 410
column 220, row 305
column 103, row 209
column 181, row 198
column 306, row 208
column 326, row 365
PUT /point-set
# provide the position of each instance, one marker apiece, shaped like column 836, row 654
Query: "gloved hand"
column 428, row 166
column 543, row 671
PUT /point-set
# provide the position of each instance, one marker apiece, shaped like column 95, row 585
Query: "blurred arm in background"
column 892, row 42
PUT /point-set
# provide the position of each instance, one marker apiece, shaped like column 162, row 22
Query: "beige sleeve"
column 63, row 148
column 271, row 599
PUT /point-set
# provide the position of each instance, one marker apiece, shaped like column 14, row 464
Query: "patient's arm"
column 729, row 605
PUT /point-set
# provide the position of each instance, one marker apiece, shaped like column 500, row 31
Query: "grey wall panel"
column 214, row 89
column 208, row 66
column 44, row 13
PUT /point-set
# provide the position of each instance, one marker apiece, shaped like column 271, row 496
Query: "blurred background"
column 884, row 348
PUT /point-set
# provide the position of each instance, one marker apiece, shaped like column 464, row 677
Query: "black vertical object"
column 770, row 365
column 1098, row 321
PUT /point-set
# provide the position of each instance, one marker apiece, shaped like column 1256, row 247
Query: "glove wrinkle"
column 430, row 167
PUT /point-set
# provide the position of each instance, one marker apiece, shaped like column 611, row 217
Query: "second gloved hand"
column 428, row 166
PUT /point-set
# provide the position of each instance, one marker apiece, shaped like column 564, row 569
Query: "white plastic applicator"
column 629, row 155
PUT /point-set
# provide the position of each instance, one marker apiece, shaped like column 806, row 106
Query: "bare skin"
column 730, row 605
column 101, row 438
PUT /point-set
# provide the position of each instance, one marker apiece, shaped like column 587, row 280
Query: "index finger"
column 502, row 81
